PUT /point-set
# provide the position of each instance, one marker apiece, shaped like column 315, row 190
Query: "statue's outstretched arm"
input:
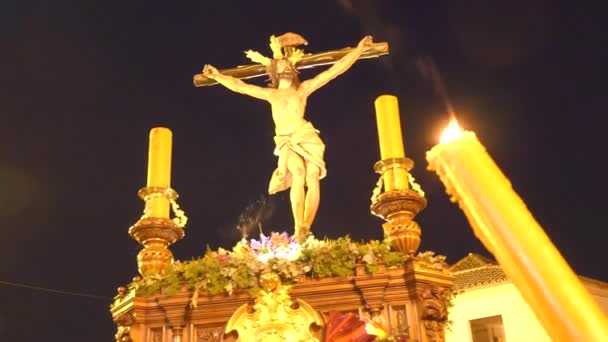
column 338, row 68
column 235, row 84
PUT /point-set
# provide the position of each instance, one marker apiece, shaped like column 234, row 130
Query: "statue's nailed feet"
column 302, row 233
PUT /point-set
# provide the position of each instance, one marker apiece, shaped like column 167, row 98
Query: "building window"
column 487, row 329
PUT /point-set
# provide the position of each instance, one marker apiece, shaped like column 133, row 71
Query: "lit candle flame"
column 452, row 132
column 503, row 223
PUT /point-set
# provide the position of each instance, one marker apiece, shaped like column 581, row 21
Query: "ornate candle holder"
column 398, row 204
column 156, row 234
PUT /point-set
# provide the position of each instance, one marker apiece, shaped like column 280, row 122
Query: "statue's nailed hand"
column 210, row 71
column 366, row 43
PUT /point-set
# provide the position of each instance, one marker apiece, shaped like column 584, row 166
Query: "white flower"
column 227, row 271
column 229, row 288
column 369, row 257
column 264, row 257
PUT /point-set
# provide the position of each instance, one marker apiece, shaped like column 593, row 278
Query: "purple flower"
column 255, row 244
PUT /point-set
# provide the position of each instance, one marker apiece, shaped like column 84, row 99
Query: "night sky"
column 83, row 82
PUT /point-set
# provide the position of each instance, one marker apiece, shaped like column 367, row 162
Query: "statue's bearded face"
column 282, row 69
column 285, row 71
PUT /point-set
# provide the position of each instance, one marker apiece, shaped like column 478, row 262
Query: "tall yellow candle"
column 159, row 168
column 389, row 127
column 501, row 220
column 391, row 142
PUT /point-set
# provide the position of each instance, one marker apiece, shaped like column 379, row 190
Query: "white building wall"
column 519, row 321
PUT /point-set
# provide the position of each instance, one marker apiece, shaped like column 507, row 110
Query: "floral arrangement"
column 225, row 271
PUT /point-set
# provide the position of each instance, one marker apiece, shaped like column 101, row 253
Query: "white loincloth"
column 306, row 143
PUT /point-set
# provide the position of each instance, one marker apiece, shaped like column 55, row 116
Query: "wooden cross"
column 308, row 61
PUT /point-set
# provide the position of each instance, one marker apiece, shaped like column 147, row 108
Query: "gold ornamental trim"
column 393, row 202
column 275, row 316
column 154, row 228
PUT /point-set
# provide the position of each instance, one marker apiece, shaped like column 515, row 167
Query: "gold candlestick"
column 155, row 230
column 393, row 200
column 500, row 219
column 398, row 207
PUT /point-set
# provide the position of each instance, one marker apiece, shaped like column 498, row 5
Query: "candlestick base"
column 403, row 236
column 396, row 202
column 398, row 208
column 156, row 234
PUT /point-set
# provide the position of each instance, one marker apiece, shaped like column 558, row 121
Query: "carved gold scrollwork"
column 434, row 311
column 123, row 331
column 275, row 316
column 209, row 334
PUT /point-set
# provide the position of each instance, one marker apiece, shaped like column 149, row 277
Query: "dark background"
column 82, row 83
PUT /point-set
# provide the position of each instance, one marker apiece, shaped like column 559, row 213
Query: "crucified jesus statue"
column 298, row 145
